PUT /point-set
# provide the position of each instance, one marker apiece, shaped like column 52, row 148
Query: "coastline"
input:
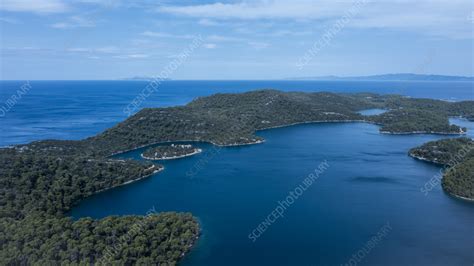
column 426, row 160
column 160, row 168
column 442, row 165
column 287, row 125
column 239, row 144
column 197, row 150
column 317, row 122
column 460, row 197
column 424, row 132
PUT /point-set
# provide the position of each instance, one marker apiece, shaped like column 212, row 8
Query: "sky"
column 238, row 39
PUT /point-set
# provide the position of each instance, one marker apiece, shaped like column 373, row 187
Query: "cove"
column 370, row 181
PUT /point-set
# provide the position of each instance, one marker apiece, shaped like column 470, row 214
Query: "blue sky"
column 260, row 39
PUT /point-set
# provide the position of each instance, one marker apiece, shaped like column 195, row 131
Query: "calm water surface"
column 370, row 181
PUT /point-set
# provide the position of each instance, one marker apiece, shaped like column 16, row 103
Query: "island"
column 167, row 152
column 37, row 191
column 42, row 180
column 457, row 156
column 391, row 77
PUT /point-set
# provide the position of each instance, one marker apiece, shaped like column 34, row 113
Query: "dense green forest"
column 170, row 151
column 229, row 119
column 42, row 180
column 42, row 239
column 458, row 155
column 36, row 191
column 459, row 180
column 406, row 121
column 446, row 151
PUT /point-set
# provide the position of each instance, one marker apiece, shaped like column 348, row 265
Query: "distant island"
column 144, row 78
column 167, row 152
column 457, row 155
column 42, row 180
column 389, row 77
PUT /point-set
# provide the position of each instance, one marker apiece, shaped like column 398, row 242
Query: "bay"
column 371, row 182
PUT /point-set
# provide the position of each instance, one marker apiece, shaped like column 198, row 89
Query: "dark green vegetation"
column 459, row 180
column 170, row 151
column 231, row 119
column 448, row 152
column 126, row 240
column 409, row 115
column 458, row 155
column 40, row 181
column 35, row 192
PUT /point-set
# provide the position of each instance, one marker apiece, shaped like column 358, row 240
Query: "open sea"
column 370, row 206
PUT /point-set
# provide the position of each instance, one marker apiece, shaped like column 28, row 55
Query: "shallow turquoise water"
column 370, row 182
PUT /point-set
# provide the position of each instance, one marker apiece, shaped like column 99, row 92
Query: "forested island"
column 41, row 181
column 167, row 152
column 457, row 155
column 36, row 191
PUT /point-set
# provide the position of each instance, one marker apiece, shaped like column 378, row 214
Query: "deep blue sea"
column 368, row 205
column 79, row 109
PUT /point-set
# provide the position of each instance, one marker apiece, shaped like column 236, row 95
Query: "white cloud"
column 432, row 17
column 281, row 33
column 107, row 50
column 78, row 50
column 74, row 22
column 34, row 6
column 220, row 38
column 166, row 35
column 103, row 3
column 132, row 56
column 259, row 45
column 138, row 55
column 60, row 25
column 209, row 45
column 262, row 9
column 207, row 22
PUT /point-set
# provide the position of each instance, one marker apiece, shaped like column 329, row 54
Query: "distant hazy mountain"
column 392, row 77
column 142, row 78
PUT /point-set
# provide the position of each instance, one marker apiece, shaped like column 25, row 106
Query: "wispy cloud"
column 98, row 50
column 166, row 35
column 103, row 3
column 433, row 17
column 108, row 52
column 259, row 45
column 34, row 6
column 9, row 20
column 210, row 45
column 262, row 9
column 207, row 22
column 74, row 22
column 78, row 50
column 220, row 38
column 281, row 33
column 132, row 56
column 108, row 49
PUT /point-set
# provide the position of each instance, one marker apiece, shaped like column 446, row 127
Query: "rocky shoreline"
column 172, row 157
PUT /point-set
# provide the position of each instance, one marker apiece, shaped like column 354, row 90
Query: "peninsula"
column 42, row 180
column 168, row 152
column 457, row 156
